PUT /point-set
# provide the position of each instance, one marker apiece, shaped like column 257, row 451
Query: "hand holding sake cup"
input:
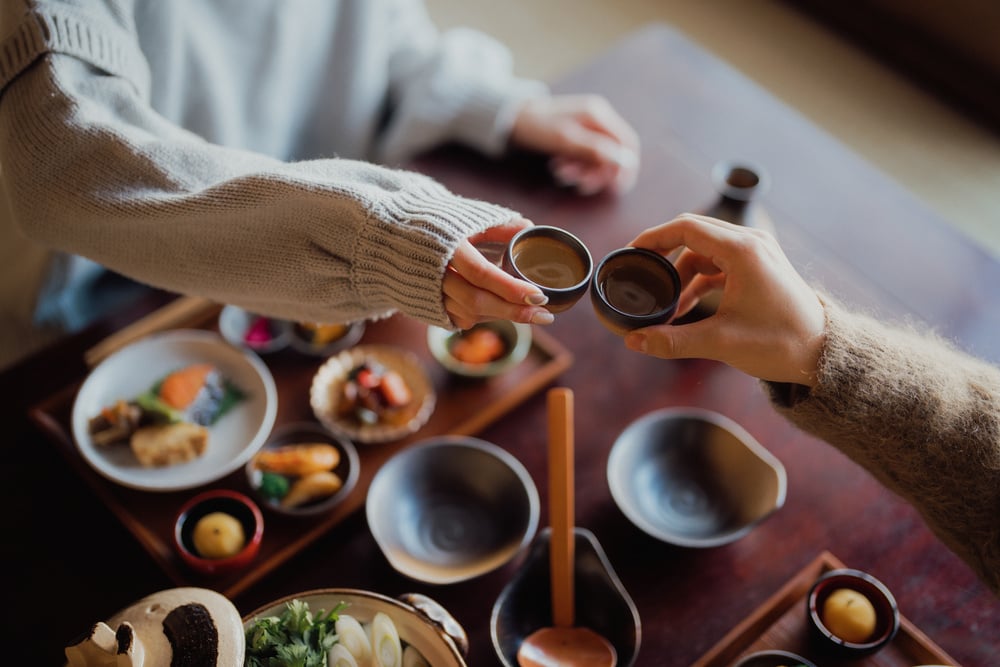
column 634, row 288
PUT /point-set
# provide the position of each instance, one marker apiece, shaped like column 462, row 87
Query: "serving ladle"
column 563, row 644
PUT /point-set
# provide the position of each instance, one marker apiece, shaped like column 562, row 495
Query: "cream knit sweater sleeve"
column 91, row 169
column 921, row 416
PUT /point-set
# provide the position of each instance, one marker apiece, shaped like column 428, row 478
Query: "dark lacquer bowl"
column 233, row 504
column 773, row 658
column 824, row 634
column 693, row 477
column 634, row 288
column 554, row 260
column 299, row 487
column 602, row 603
column 450, row 508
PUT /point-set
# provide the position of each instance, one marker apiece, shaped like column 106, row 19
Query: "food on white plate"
column 168, row 444
column 168, row 423
column 373, row 393
column 299, row 636
column 218, row 535
column 178, row 626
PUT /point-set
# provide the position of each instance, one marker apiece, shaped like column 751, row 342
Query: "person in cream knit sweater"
column 920, row 415
column 249, row 151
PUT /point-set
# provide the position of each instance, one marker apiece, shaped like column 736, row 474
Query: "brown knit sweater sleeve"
column 921, row 416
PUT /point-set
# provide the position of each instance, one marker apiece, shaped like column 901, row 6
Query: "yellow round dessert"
column 218, row 535
column 849, row 615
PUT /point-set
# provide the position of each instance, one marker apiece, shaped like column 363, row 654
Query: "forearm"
column 321, row 240
column 919, row 415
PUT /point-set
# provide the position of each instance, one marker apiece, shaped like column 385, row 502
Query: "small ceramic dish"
column 824, row 629
column 302, row 482
column 451, row 508
column 229, row 537
column 693, row 477
column 486, row 350
column 773, row 658
column 261, row 334
column 554, row 260
column 420, row 621
column 634, row 288
column 602, row 603
column 327, row 394
column 322, row 340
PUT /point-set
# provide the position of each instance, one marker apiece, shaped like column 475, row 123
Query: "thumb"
column 668, row 341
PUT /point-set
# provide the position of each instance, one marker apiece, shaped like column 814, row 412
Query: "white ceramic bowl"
column 517, row 341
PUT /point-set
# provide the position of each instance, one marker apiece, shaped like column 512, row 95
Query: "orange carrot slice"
column 181, row 387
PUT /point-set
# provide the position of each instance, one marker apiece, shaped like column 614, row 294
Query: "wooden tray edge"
column 727, row 649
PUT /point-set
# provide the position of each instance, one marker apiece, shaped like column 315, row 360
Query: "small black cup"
column 554, row 260
column 634, row 288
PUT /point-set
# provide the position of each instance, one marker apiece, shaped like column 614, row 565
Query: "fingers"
column 476, row 290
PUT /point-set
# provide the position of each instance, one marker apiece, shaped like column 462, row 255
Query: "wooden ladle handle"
column 561, row 503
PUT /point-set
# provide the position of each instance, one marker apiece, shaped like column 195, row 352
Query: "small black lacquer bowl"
column 602, row 603
column 634, row 288
column 554, row 260
column 886, row 614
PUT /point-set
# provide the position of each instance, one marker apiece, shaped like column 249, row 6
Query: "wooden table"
column 68, row 562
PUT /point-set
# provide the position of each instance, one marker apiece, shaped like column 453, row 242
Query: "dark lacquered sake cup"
column 634, row 288
column 554, row 260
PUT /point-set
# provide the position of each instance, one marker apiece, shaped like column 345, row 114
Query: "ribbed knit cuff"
column 403, row 252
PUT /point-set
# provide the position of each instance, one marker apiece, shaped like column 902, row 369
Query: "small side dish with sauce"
column 297, row 474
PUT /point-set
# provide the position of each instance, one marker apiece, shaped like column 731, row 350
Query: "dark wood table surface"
column 67, row 562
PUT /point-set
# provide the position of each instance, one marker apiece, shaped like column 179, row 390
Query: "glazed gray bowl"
column 693, row 477
column 451, row 508
column 773, row 658
column 633, row 288
column 554, row 260
column 602, row 603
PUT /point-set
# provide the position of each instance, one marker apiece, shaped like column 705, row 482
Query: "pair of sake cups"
column 630, row 288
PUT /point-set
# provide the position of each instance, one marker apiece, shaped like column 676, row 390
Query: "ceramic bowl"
column 886, row 613
column 602, row 603
column 451, row 508
column 261, row 334
column 446, row 347
column 420, row 621
column 773, row 658
column 634, row 288
column 326, row 394
column 554, row 260
column 236, row 505
column 693, row 477
column 347, row 470
column 322, row 340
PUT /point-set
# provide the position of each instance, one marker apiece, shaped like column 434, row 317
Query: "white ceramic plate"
column 420, row 621
column 329, row 379
column 232, row 440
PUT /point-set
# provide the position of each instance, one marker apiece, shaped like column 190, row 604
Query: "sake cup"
column 634, row 288
column 554, row 260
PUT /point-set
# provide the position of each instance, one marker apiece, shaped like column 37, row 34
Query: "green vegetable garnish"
column 296, row 638
column 273, row 486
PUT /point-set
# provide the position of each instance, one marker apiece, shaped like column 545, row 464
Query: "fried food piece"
column 312, row 487
column 168, row 444
column 298, row 459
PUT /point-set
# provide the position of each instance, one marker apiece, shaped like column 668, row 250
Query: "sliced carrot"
column 180, row 388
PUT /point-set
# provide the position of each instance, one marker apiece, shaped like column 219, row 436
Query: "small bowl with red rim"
column 823, row 630
column 218, row 532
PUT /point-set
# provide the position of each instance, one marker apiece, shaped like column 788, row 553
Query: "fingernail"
column 536, row 299
column 543, row 317
column 636, row 342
